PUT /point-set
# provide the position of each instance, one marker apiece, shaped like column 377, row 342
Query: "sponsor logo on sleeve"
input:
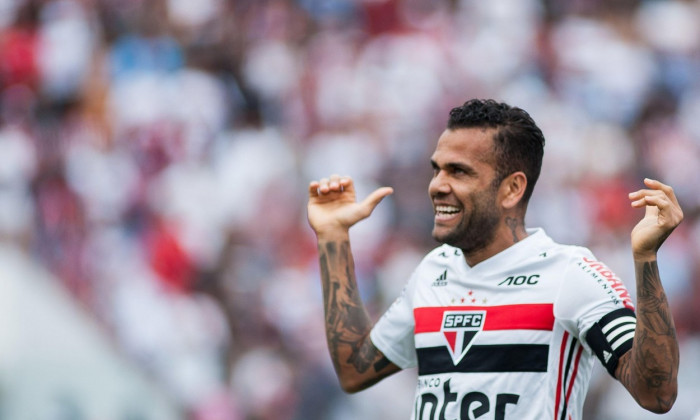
column 608, row 280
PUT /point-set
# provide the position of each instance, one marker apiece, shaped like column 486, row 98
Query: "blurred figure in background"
column 152, row 154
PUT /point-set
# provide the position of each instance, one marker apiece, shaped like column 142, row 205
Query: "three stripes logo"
column 459, row 329
column 612, row 336
column 618, row 332
column 441, row 280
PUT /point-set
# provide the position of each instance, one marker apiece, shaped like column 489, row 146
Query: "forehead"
column 470, row 145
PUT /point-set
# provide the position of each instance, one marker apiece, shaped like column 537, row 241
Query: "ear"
column 512, row 189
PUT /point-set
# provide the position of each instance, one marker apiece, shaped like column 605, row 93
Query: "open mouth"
column 443, row 213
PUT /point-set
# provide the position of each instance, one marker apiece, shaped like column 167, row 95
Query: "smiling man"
column 501, row 321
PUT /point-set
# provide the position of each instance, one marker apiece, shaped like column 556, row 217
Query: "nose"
column 439, row 185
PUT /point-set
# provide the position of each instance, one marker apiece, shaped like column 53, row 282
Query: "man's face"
column 463, row 191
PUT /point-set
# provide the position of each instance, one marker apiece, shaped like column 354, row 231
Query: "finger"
column 658, row 185
column 639, row 196
column 347, row 184
column 651, row 211
column 323, row 187
column 345, row 181
column 313, row 189
column 662, row 209
column 661, row 202
column 655, row 198
column 334, row 183
column 645, row 191
column 645, row 198
column 375, row 197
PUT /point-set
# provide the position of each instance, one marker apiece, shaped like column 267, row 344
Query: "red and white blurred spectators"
column 154, row 156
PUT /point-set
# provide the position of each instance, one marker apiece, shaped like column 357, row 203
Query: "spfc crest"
column 459, row 329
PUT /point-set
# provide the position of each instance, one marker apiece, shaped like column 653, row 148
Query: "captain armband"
column 612, row 336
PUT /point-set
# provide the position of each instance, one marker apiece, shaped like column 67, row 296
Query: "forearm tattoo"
column 347, row 322
column 652, row 363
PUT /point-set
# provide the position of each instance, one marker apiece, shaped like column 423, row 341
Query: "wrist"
column 332, row 234
column 644, row 256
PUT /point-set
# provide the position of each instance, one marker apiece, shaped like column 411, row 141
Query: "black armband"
column 612, row 336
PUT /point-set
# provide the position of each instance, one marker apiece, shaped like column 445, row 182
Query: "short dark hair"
column 518, row 142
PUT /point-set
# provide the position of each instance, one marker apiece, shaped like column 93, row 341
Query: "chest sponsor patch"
column 459, row 329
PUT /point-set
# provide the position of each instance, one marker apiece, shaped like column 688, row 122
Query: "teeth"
column 446, row 209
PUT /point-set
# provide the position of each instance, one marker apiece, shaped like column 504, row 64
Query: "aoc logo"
column 459, row 329
column 531, row 280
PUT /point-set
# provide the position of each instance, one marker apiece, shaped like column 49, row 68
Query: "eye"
column 460, row 170
column 436, row 169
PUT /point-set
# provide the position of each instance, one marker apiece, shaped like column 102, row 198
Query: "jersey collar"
column 535, row 243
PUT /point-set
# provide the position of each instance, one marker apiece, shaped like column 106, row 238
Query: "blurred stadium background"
column 155, row 261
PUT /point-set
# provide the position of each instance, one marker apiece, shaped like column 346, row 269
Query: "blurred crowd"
column 154, row 156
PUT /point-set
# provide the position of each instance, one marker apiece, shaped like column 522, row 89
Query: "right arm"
column 332, row 210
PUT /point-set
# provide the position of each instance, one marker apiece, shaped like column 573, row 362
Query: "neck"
column 510, row 231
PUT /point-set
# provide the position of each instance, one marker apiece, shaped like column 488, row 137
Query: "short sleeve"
column 393, row 333
column 594, row 305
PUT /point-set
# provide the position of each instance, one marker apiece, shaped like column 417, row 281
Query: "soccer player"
column 501, row 321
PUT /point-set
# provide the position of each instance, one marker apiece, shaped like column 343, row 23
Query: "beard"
column 477, row 229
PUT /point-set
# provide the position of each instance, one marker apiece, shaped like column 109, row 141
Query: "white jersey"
column 508, row 338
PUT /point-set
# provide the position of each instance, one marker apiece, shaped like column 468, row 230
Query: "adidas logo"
column 606, row 355
column 441, row 280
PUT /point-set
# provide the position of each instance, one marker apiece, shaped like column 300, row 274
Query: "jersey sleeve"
column 594, row 305
column 393, row 333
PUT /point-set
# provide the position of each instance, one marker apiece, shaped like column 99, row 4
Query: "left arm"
column 649, row 370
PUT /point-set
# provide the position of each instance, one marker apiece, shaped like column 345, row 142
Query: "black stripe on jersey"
column 565, row 381
column 491, row 358
column 612, row 336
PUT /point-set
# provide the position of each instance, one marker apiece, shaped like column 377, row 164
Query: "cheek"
column 477, row 200
column 486, row 203
column 469, row 198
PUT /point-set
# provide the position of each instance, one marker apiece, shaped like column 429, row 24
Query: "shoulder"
column 561, row 254
column 598, row 275
column 444, row 258
column 441, row 256
column 556, row 256
column 588, row 284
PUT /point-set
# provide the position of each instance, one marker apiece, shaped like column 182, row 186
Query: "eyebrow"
column 454, row 165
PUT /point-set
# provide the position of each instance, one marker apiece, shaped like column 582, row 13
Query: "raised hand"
column 332, row 210
column 663, row 214
column 333, row 206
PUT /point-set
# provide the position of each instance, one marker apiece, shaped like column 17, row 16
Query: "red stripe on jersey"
column 529, row 316
column 573, row 375
column 561, row 371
